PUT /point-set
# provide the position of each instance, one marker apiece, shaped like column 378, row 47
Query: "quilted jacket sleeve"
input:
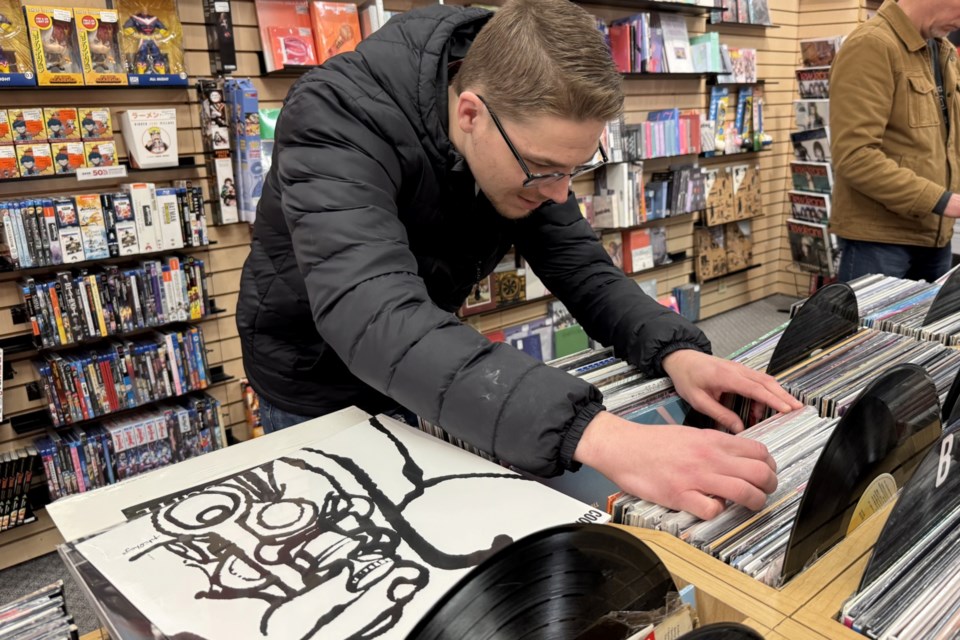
column 340, row 179
column 563, row 250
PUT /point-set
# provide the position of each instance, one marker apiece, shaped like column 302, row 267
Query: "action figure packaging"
column 34, row 160
column 53, row 38
column 244, row 121
column 16, row 67
column 62, row 123
column 151, row 42
column 223, row 50
column 98, row 33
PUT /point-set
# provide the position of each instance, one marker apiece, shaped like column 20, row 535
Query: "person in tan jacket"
column 894, row 120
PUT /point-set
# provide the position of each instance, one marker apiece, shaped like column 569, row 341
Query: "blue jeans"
column 859, row 258
column 273, row 418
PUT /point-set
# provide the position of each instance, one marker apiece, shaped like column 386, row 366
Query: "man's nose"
column 556, row 191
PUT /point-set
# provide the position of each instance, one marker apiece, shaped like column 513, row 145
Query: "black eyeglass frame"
column 535, row 179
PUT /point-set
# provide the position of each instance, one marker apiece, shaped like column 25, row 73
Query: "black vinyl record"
column 888, row 430
column 947, row 301
column 552, row 584
column 722, row 631
column 830, row 315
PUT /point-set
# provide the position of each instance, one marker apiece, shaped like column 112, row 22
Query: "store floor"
column 727, row 332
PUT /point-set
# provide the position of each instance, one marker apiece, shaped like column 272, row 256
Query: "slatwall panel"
column 817, row 19
column 223, row 261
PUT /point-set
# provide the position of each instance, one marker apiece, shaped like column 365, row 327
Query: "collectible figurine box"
column 62, row 123
column 6, row 134
column 16, row 67
column 100, row 153
column 95, row 124
column 67, row 157
column 8, row 163
column 27, row 125
column 53, row 39
column 151, row 42
column 34, row 160
column 98, row 33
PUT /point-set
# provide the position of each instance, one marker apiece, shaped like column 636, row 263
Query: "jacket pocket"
column 922, row 103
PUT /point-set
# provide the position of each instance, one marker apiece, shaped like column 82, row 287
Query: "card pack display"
column 16, row 67
column 96, row 124
column 61, row 123
column 34, row 159
column 151, row 42
column 27, row 125
column 53, row 39
column 8, row 162
column 98, row 34
column 67, row 156
column 102, row 153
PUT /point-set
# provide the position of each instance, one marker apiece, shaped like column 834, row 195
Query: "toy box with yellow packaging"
column 34, row 160
column 53, row 39
column 16, row 65
column 98, row 33
column 151, row 42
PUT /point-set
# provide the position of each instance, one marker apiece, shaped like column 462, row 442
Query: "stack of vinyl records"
column 753, row 542
column 41, row 615
column 831, row 379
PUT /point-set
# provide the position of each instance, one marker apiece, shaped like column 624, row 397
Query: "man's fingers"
column 773, row 387
column 700, row 505
column 758, row 473
column 736, row 490
column 721, row 415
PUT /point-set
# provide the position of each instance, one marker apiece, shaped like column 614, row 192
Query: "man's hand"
column 953, row 207
column 701, row 379
column 684, row 468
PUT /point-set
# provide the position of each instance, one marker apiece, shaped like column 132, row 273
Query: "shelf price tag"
column 100, row 173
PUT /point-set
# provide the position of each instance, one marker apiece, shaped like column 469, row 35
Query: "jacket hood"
column 408, row 59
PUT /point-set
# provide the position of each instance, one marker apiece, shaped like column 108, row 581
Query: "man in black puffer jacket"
column 402, row 173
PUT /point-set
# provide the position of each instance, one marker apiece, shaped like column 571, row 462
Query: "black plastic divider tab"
column 947, row 301
column 563, row 579
column 929, row 496
column 830, row 315
column 950, row 412
column 888, row 430
column 722, row 631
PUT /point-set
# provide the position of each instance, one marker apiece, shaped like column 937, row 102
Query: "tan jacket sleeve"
column 863, row 96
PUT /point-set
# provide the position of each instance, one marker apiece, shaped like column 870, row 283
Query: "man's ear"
column 469, row 109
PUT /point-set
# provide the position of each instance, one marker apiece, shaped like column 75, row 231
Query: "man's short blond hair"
column 539, row 57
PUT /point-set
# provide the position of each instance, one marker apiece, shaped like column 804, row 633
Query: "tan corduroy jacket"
column 892, row 156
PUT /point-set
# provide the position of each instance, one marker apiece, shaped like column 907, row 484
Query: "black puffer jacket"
column 369, row 235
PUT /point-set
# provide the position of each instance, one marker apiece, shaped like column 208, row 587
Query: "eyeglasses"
column 542, row 179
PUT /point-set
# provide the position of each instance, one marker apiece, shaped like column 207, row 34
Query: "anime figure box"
column 151, row 42
column 16, row 66
column 53, row 39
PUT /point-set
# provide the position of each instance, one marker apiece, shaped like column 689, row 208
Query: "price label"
column 100, row 173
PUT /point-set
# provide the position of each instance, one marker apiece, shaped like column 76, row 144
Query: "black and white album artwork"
column 354, row 537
